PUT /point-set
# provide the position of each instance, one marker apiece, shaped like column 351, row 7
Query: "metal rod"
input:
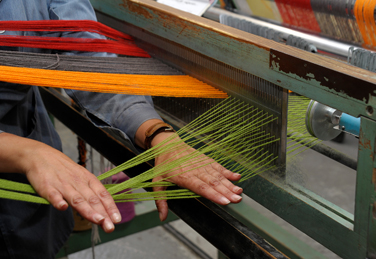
column 324, row 44
column 198, row 251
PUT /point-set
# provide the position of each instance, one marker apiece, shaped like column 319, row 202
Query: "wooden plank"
column 252, row 54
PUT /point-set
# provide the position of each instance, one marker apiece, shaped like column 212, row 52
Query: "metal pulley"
column 326, row 123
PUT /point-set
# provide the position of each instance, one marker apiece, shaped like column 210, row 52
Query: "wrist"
column 14, row 153
column 154, row 131
column 151, row 129
column 160, row 138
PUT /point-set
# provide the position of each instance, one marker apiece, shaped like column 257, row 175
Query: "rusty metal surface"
column 247, row 52
column 305, row 70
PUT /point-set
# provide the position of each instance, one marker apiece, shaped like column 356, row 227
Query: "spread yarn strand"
column 236, row 141
column 156, row 85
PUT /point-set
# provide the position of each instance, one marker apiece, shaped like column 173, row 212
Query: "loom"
column 260, row 72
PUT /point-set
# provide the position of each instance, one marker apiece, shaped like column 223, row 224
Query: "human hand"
column 58, row 179
column 211, row 181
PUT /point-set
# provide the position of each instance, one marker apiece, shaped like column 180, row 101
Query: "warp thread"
column 237, row 141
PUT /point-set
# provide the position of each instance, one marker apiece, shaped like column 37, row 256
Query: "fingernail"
column 224, row 200
column 236, row 189
column 108, row 225
column 160, row 216
column 98, row 218
column 237, row 175
column 236, row 197
column 116, row 217
column 61, row 204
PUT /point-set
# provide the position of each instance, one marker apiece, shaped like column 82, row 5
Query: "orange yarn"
column 359, row 11
column 155, row 85
column 370, row 20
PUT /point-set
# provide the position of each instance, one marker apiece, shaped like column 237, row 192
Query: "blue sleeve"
column 123, row 112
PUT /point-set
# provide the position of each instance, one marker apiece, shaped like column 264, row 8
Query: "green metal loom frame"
column 146, row 217
column 325, row 80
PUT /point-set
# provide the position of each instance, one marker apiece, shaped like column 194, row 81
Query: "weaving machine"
column 259, row 72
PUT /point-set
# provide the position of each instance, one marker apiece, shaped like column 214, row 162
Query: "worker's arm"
column 58, row 179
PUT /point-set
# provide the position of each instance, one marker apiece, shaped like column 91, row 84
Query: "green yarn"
column 296, row 127
column 231, row 133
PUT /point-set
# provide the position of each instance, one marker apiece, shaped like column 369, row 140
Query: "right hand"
column 58, row 179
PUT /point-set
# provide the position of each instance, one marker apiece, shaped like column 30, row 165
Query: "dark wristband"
column 154, row 130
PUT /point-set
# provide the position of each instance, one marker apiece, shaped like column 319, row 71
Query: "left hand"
column 211, row 181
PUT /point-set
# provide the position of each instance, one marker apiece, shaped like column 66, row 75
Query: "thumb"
column 162, row 206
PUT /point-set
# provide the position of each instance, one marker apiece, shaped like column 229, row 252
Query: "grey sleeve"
column 123, row 112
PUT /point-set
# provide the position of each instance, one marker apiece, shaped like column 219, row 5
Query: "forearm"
column 13, row 150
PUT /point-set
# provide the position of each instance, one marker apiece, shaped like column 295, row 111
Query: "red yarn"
column 120, row 44
column 64, row 25
column 78, row 44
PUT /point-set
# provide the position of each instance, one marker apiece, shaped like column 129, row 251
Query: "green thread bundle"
column 231, row 133
column 300, row 139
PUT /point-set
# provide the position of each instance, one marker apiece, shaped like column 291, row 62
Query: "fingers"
column 61, row 181
column 161, row 205
column 94, row 203
column 162, row 208
column 86, row 204
column 56, row 199
column 106, row 200
column 227, row 173
column 220, row 183
column 212, row 191
column 85, row 193
column 224, row 176
column 203, row 176
column 211, row 181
